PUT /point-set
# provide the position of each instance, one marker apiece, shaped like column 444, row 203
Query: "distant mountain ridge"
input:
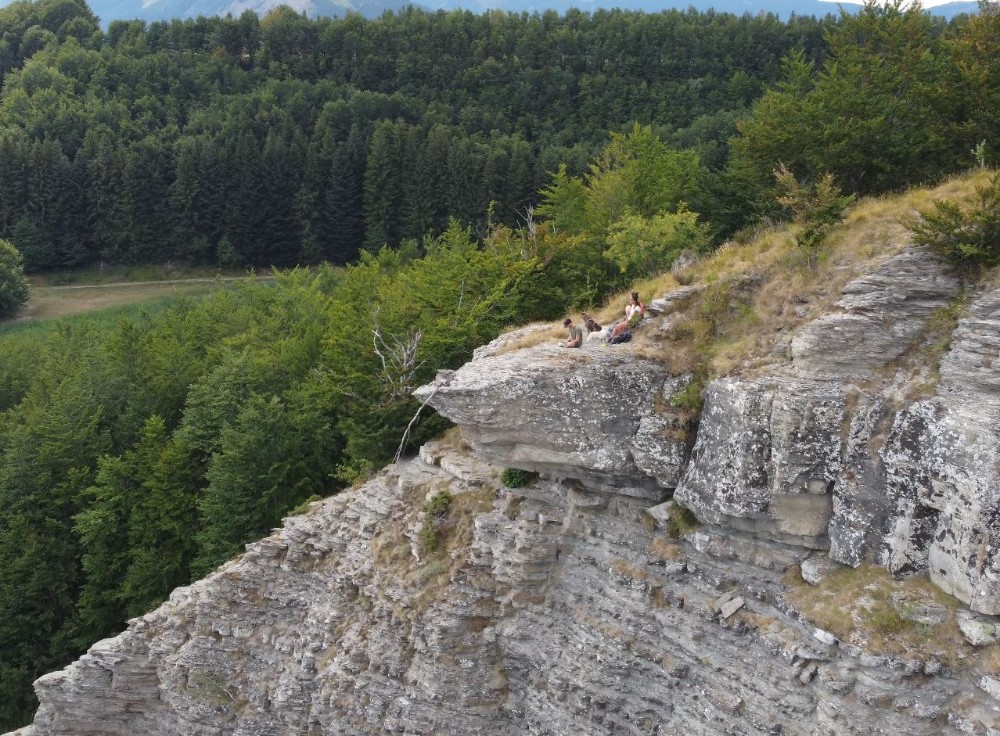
column 155, row 10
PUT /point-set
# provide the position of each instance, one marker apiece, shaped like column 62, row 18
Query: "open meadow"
column 50, row 301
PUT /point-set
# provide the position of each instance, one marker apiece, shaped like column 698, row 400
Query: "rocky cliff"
column 841, row 578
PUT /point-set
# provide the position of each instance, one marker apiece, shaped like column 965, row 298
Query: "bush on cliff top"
column 967, row 236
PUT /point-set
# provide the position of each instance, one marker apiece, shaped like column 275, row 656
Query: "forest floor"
column 66, row 300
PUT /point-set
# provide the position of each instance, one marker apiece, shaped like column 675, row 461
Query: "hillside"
column 487, row 171
column 540, row 570
column 158, row 10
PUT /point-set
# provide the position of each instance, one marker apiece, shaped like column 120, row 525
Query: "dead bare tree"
column 398, row 358
column 406, row 434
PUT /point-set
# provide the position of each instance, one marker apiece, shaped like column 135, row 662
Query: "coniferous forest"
column 475, row 171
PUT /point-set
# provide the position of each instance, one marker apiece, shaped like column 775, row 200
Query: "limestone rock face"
column 832, row 453
column 944, row 468
column 766, row 458
column 598, row 415
column 878, row 318
column 560, row 613
column 564, row 607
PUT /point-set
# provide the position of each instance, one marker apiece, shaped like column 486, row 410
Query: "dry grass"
column 421, row 582
column 856, row 605
column 464, row 509
column 764, row 288
column 649, row 288
column 631, row 572
column 665, row 549
column 452, row 439
column 757, row 621
column 553, row 335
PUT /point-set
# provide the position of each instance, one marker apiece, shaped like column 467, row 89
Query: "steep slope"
column 855, row 439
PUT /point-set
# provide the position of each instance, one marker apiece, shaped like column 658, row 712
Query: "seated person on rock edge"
column 575, row 339
column 635, row 310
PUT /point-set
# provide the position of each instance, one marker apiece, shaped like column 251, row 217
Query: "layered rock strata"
column 563, row 613
column 564, row 607
column 600, row 416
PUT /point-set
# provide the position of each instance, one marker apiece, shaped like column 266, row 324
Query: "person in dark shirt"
column 575, row 339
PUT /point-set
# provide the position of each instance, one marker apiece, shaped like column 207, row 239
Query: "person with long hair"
column 635, row 310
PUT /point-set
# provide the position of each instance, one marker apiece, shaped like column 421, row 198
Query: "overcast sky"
column 925, row 3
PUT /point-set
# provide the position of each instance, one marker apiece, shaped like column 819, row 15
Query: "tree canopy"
column 14, row 289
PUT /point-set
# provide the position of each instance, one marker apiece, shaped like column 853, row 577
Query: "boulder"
column 600, row 416
column 817, row 567
column 979, row 631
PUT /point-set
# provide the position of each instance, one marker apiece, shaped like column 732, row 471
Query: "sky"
column 924, row 3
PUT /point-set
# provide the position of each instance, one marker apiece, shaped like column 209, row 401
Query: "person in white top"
column 635, row 310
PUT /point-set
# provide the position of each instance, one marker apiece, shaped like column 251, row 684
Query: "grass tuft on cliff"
column 910, row 618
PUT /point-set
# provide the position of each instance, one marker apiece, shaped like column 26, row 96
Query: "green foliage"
column 688, row 398
column 14, row 289
column 564, row 203
column 890, row 107
column 517, row 478
column 641, row 246
column 270, row 458
column 968, row 237
column 681, row 521
column 435, row 525
column 886, row 620
column 227, row 255
column 298, row 141
column 26, row 238
column 141, row 451
column 816, row 208
column 628, row 211
column 304, row 506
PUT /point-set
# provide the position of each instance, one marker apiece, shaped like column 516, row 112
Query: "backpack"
column 620, row 338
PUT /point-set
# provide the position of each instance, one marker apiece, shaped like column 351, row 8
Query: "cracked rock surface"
column 564, row 614
column 566, row 607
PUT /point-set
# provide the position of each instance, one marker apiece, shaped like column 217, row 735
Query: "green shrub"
column 681, row 521
column 439, row 505
column 435, row 525
column 14, row 290
column 816, row 209
column 688, row 398
column 517, row 478
column 887, row 620
column 966, row 237
column 304, row 506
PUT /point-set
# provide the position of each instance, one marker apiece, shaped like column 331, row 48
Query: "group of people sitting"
column 620, row 331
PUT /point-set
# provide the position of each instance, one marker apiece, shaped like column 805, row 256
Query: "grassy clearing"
column 866, row 607
column 124, row 273
column 102, row 318
column 48, row 302
column 52, row 302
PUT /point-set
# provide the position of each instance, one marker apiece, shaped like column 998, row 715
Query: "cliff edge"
column 812, row 550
